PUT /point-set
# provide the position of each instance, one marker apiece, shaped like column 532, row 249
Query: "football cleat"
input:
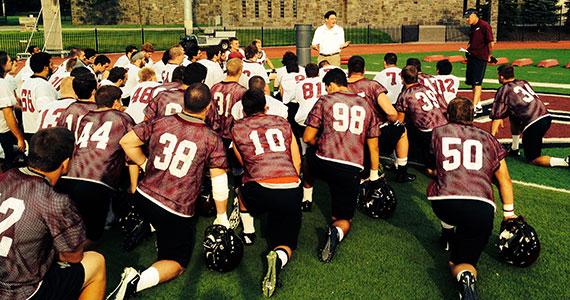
column 478, row 109
column 127, row 286
column 331, row 244
column 466, row 286
column 306, row 205
column 248, row 238
column 223, row 249
column 567, row 160
column 446, row 237
column 402, row 175
column 269, row 283
column 512, row 152
column 518, row 242
column 377, row 199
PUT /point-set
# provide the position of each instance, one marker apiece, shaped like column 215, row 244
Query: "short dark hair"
column 507, row 71
column 73, row 52
column 194, row 73
column 130, row 49
column 323, row 63
column 330, row 13
column 197, row 97
column 292, row 67
column 336, row 76
column 356, row 64
column 391, row 58
column 107, row 95
column 178, row 74
column 166, row 56
column 460, row 110
column 102, row 60
column 412, row 61
column 250, row 51
column 410, row 74
column 79, row 71
column 3, row 61
column 288, row 57
column 89, row 53
column 84, row 85
column 31, row 49
column 233, row 38
column 312, row 70
column 116, row 74
column 39, row 61
column 444, row 67
column 256, row 82
column 212, row 51
column 49, row 148
column 253, row 101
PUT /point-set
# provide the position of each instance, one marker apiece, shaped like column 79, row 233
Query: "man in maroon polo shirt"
column 480, row 44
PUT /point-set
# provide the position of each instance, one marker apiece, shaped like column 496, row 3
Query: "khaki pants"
column 332, row 59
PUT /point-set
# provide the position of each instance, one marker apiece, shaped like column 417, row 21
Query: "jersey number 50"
column 471, row 158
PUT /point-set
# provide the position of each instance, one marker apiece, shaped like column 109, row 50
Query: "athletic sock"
column 308, row 194
column 247, row 221
column 283, row 256
column 149, row 278
column 340, row 233
column 558, row 162
column 402, row 161
column 516, row 142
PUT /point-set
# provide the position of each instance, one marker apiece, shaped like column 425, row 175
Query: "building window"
column 257, row 8
column 282, row 8
column 294, row 8
column 243, row 8
column 269, row 8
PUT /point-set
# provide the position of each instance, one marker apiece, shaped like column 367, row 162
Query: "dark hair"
column 84, row 85
column 194, row 73
column 116, row 74
column 444, row 67
column 460, row 110
column 178, row 74
column 288, row 57
column 410, row 74
column 250, row 51
column 330, row 13
column 253, row 101
column 130, row 49
column 197, row 97
column 233, row 38
column 79, row 71
column 414, row 62
column 166, row 56
column 70, row 65
column 336, row 76
column 212, row 51
column 507, row 71
column 89, row 53
column 3, row 61
column 323, row 63
column 73, row 52
column 39, row 61
column 107, row 95
column 31, row 49
column 292, row 67
column 391, row 58
column 49, row 148
column 356, row 64
column 256, row 82
column 102, row 60
column 311, row 70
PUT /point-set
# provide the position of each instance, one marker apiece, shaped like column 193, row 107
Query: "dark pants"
column 8, row 141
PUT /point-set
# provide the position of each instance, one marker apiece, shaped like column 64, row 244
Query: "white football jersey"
column 166, row 73
column 391, row 80
column 252, row 68
column 141, row 95
column 123, row 61
column 35, row 94
column 57, row 77
column 307, row 93
column 289, row 83
column 7, row 99
column 279, row 72
column 214, row 74
column 132, row 79
column 52, row 112
column 158, row 67
column 261, row 57
column 274, row 108
column 447, row 85
column 325, row 69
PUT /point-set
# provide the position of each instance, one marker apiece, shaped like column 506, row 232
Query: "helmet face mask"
column 518, row 242
column 377, row 200
column 223, row 249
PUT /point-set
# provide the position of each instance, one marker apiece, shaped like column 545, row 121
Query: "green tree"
column 540, row 12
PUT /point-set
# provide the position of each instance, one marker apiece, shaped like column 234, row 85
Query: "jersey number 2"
column 17, row 206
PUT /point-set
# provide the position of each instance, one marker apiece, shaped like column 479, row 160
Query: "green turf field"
column 397, row 258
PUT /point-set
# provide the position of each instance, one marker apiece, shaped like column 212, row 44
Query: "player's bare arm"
column 73, row 257
column 310, row 135
column 505, row 190
column 12, row 123
column 498, row 123
column 132, row 146
column 387, row 107
column 346, row 44
column 401, row 117
column 295, row 155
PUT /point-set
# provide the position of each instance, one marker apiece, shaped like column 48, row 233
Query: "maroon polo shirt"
column 480, row 37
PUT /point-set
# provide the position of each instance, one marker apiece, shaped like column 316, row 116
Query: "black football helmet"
column 134, row 227
column 518, row 242
column 223, row 249
column 377, row 199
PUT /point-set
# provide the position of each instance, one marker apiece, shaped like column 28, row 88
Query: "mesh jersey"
column 40, row 223
column 289, row 83
column 307, row 92
column 224, row 96
column 251, row 69
column 370, row 90
column 71, row 117
column 98, row 156
column 181, row 147
column 344, row 120
column 466, row 160
column 166, row 103
column 518, row 99
column 391, row 80
column 35, row 94
column 264, row 143
column 142, row 94
column 423, row 107
column 52, row 112
column 447, row 85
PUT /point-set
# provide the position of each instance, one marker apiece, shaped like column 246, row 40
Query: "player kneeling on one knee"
column 42, row 248
column 339, row 125
column 467, row 161
column 267, row 148
column 180, row 147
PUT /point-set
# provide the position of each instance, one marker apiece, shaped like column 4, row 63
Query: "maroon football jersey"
column 424, row 108
column 224, row 96
column 344, row 120
column 98, row 156
column 466, row 160
column 37, row 223
column 180, row 147
column 370, row 90
column 264, row 142
column 166, row 103
column 518, row 99
column 428, row 81
column 73, row 114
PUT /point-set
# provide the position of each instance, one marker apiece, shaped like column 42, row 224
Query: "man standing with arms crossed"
column 329, row 40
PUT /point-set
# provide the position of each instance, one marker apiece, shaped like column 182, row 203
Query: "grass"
column 397, row 258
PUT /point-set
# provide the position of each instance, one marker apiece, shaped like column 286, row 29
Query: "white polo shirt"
column 329, row 40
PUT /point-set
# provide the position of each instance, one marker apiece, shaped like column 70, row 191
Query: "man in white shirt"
column 53, row 110
column 117, row 76
column 124, row 60
column 148, row 49
column 142, row 94
column 274, row 106
column 390, row 77
column 329, row 40
column 288, row 58
column 289, row 82
column 10, row 134
column 307, row 92
column 446, row 83
column 26, row 71
column 215, row 73
column 36, row 92
column 250, row 65
column 176, row 58
column 137, row 62
column 324, row 67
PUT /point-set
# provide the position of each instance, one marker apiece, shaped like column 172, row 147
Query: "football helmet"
column 223, row 249
column 134, row 227
column 518, row 242
column 377, row 199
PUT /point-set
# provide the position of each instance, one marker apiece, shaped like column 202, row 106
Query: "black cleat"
column 248, row 238
column 128, row 285
column 512, row 152
column 306, row 205
column 331, row 244
column 445, row 238
column 466, row 285
column 402, row 175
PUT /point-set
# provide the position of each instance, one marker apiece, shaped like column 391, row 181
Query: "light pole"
column 188, row 17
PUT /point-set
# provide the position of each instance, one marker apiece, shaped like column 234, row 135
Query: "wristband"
column 508, row 210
